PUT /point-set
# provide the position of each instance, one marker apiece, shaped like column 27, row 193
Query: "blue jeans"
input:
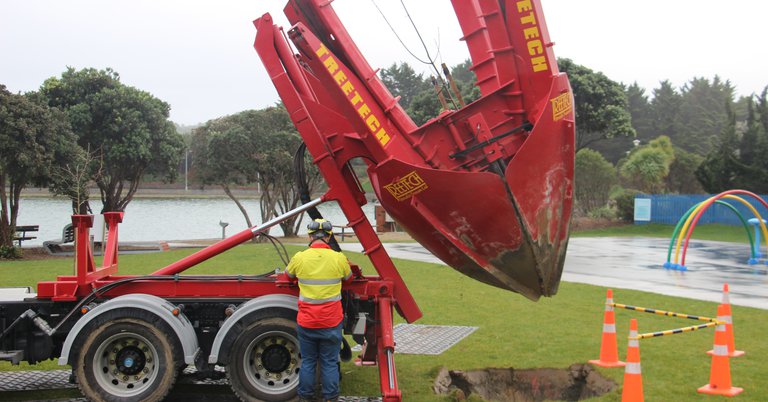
column 323, row 345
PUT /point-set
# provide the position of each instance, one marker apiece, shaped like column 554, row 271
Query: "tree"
column 403, row 81
column 664, row 145
column 600, row 105
column 221, row 150
column 594, row 179
column 752, row 137
column 737, row 158
column 252, row 146
column 762, row 109
column 682, row 173
column 647, row 166
column 73, row 179
column 127, row 129
column 417, row 93
column 720, row 168
column 640, row 110
column 702, row 115
column 425, row 106
column 759, row 122
column 753, row 146
column 33, row 139
column 664, row 107
column 466, row 81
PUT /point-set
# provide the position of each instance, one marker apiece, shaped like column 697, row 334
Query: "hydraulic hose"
column 302, row 188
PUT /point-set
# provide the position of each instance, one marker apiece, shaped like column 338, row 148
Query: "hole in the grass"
column 580, row 381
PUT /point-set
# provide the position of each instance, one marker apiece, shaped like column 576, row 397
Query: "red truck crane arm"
column 486, row 188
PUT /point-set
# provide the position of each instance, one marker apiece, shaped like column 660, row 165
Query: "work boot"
column 302, row 399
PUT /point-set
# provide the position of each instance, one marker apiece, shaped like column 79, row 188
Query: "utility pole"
column 186, row 170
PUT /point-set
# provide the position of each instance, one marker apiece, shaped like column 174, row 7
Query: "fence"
column 668, row 209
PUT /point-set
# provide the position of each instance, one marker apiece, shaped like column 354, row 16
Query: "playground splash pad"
column 687, row 223
column 633, row 263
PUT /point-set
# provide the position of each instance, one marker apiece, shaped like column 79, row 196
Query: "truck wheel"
column 264, row 362
column 126, row 359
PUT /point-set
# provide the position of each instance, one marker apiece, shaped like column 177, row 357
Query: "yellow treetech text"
column 373, row 122
column 532, row 35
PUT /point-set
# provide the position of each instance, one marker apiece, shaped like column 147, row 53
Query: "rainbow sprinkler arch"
column 688, row 221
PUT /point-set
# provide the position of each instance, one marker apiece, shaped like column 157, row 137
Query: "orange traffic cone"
column 728, row 318
column 633, row 379
column 609, row 355
column 720, row 374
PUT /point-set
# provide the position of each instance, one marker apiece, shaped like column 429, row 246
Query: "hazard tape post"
column 720, row 377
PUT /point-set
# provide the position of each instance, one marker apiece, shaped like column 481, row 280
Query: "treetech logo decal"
column 355, row 99
column 561, row 106
column 408, row 186
column 528, row 20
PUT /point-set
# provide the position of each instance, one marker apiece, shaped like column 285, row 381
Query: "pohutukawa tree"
column 126, row 131
column 33, row 140
column 254, row 146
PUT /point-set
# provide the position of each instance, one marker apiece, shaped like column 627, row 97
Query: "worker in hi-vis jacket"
column 320, row 271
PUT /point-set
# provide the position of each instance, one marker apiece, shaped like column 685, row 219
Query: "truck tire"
column 264, row 362
column 126, row 358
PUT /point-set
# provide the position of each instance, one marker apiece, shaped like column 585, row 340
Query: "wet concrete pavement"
column 638, row 263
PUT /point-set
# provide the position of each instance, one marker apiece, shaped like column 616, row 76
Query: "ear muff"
column 320, row 224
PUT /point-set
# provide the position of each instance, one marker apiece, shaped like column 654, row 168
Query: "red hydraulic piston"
column 386, row 349
column 206, row 253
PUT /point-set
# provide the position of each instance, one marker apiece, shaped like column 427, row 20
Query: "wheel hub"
column 271, row 362
column 130, row 360
column 276, row 358
column 125, row 364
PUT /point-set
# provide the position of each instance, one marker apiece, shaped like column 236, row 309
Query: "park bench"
column 67, row 236
column 343, row 232
column 22, row 233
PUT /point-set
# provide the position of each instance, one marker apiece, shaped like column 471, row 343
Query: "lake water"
column 152, row 219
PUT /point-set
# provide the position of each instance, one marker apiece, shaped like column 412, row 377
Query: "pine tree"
column 702, row 115
column 642, row 114
column 664, row 108
column 720, row 170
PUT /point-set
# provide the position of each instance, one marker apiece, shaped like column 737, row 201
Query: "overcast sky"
column 198, row 56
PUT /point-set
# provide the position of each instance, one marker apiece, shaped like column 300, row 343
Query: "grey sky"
column 197, row 55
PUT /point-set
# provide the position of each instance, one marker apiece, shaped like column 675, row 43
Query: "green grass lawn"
column 702, row 232
column 513, row 331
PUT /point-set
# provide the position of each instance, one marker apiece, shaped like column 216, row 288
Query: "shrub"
column 605, row 212
column 625, row 205
column 10, row 253
column 595, row 177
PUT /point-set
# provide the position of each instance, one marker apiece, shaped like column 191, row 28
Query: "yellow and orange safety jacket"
column 320, row 271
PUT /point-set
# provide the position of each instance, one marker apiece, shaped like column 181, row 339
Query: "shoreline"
column 168, row 193
column 162, row 193
column 40, row 253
